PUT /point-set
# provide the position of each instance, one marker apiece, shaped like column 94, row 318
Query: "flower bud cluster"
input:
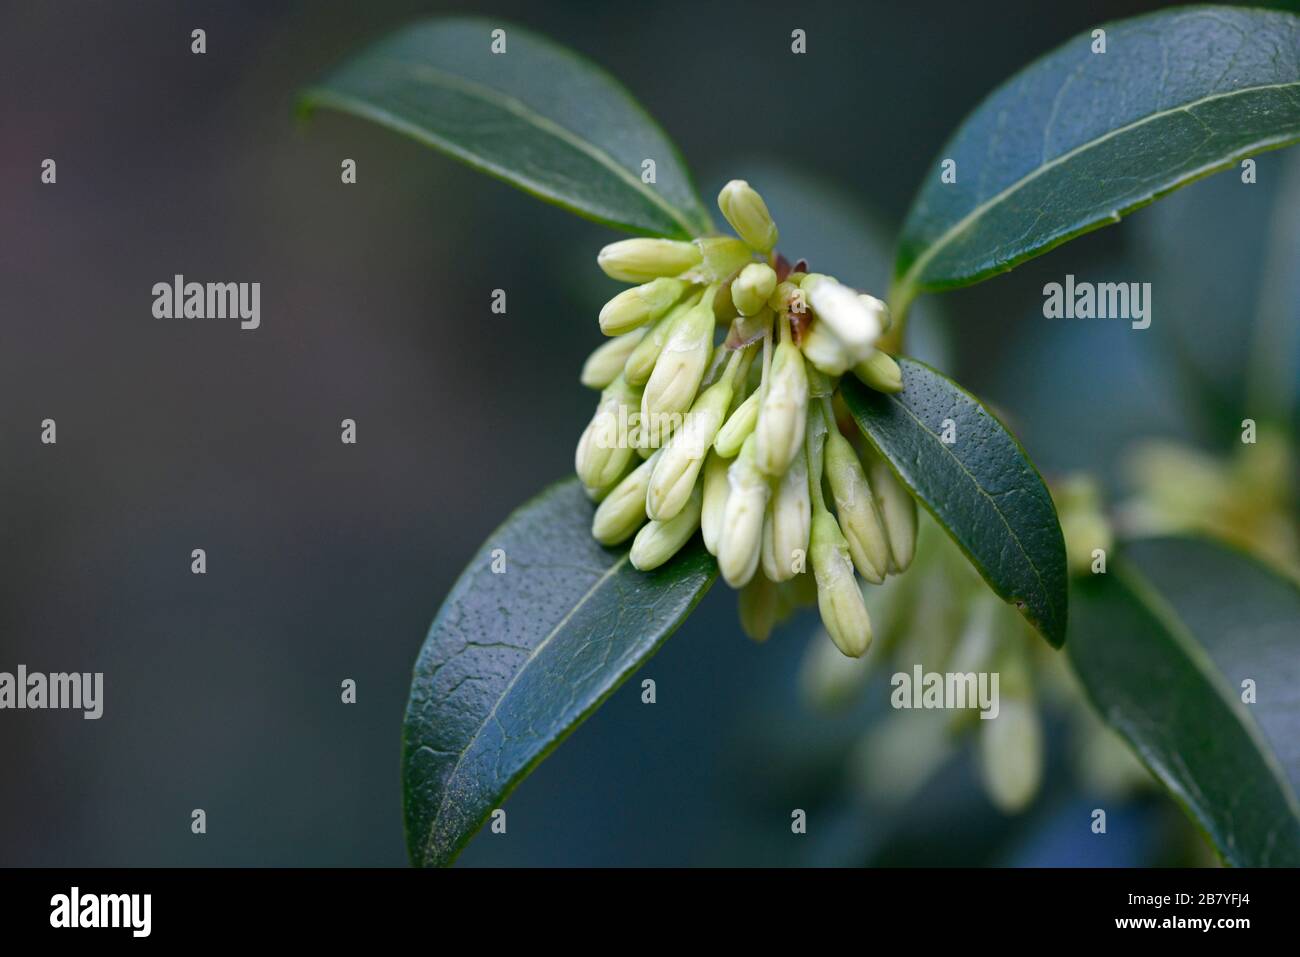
column 718, row 389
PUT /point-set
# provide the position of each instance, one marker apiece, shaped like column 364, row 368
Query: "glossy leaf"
column 538, row 116
column 981, row 487
column 1078, row 139
column 1142, row 658
column 517, row 658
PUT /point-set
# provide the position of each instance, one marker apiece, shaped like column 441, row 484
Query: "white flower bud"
column 622, row 511
column 897, row 510
column 856, row 509
column 752, row 288
column 640, row 260
column 641, row 304
column 603, row 451
column 748, row 215
column 839, row 597
column 660, row 541
column 786, row 524
column 713, row 508
column 880, row 308
column 1011, row 754
column 680, row 367
column 642, row 361
column 784, row 411
column 880, row 372
column 757, row 604
column 679, row 465
column 854, row 322
column 738, row 427
column 742, row 521
column 607, row 360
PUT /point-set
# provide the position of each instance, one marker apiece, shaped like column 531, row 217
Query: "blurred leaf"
column 1078, row 139
column 1140, row 661
column 982, row 488
column 1247, row 617
column 538, row 116
column 515, row 661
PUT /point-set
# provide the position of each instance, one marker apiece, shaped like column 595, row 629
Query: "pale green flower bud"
column 738, row 427
column 640, row 260
column 742, row 521
column 1011, row 754
column 603, row 451
column 784, row 411
column 642, row 361
column 753, row 287
column 748, row 215
column 853, row 322
column 757, row 606
column 641, row 304
column 679, row 465
column 713, row 508
column 1083, row 523
column 622, row 511
column 897, row 510
column 825, row 352
column 660, row 541
column 839, row 597
column 856, row 509
column 680, row 367
column 880, row 372
column 786, row 524
column 607, row 360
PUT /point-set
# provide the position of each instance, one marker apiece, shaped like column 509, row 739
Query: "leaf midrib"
column 532, row 656
column 992, row 504
column 504, row 101
column 959, row 227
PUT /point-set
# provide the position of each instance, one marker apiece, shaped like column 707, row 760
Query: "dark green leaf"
column 538, row 116
column 1077, row 139
column 1247, row 617
column 1150, row 679
column 982, row 488
column 515, row 661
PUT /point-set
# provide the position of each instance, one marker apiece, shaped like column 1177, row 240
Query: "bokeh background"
column 328, row 561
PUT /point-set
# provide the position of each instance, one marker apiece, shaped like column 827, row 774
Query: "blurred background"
column 327, row 561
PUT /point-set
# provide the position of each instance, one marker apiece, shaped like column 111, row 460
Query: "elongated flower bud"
column 853, row 321
column 607, row 360
column 897, row 510
column 825, row 352
column 622, row 511
column 748, row 215
column 641, row 304
column 1011, row 754
column 640, row 260
column 738, row 427
column 642, row 361
column 757, row 604
column 786, row 524
column 681, row 364
column 880, row 372
column 712, row 510
column 660, row 541
column 856, row 509
column 783, row 412
column 742, row 520
column 603, row 451
column 679, row 465
column 839, row 597
column 753, row 287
